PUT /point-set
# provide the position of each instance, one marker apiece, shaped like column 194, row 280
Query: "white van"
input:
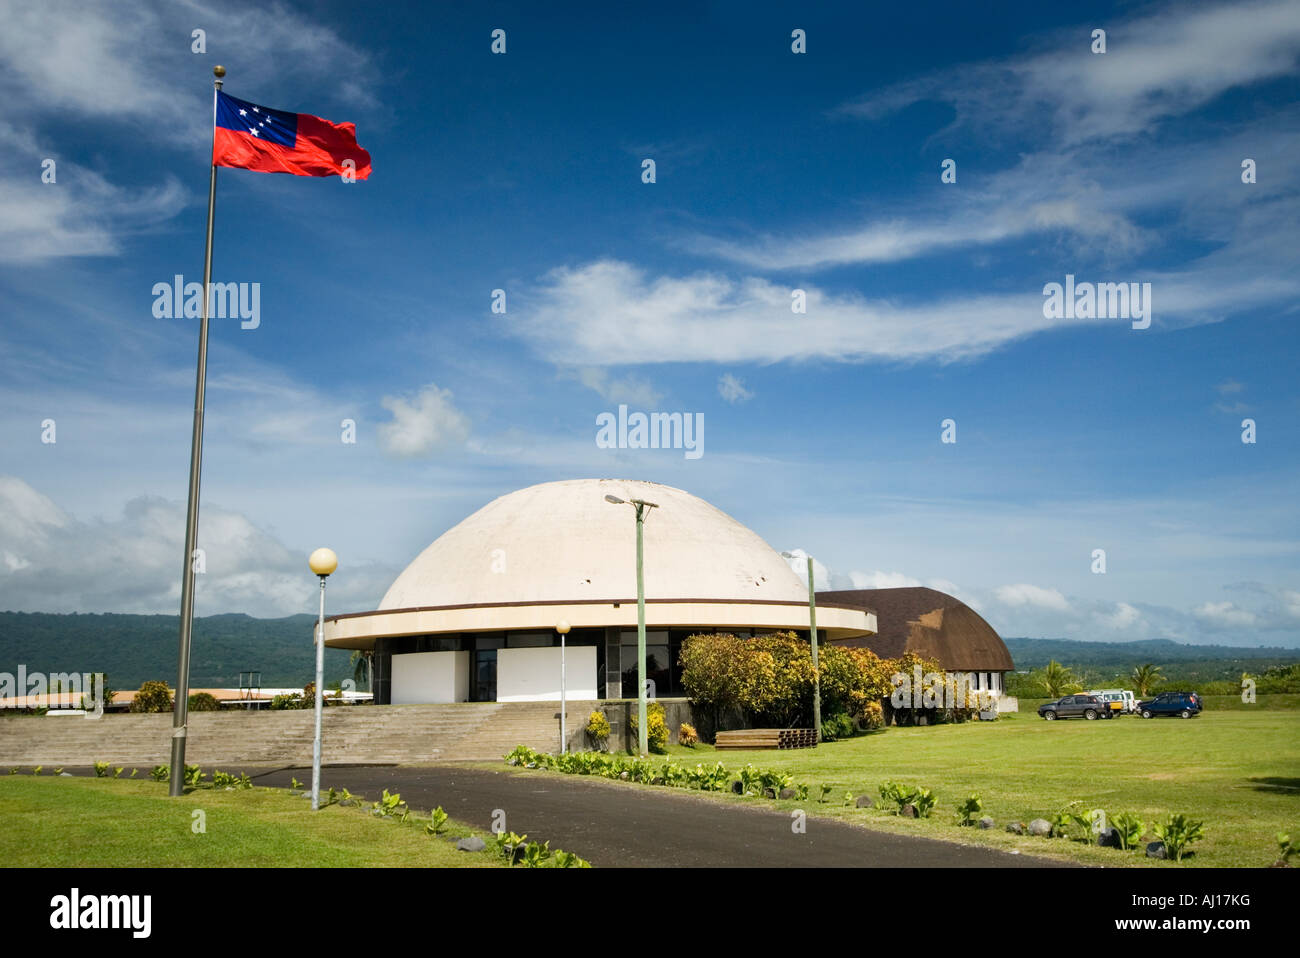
column 1119, row 700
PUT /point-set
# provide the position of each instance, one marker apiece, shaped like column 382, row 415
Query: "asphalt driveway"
column 615, row 825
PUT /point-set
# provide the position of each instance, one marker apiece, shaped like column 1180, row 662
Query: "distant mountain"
column 1035, row 653
column 131, row 649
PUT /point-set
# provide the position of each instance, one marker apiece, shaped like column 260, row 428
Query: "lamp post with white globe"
column 322, row 562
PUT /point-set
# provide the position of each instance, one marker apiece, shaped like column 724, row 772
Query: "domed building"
column 934, row 625
column 474, row 616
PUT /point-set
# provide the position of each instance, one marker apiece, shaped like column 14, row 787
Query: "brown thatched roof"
column 930, row 623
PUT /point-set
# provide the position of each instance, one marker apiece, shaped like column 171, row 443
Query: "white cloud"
column 1158, row 65
column 424, row 424
column 1224, row 615
column 799, row 566
column 612, row 312
column 1123, row 617
column 1032, row 595
column 79, row 214
column 732, row 389
column 54, row 562
column 882, row 580
column 633, row 390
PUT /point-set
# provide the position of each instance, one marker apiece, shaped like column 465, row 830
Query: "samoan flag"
column 252, row 137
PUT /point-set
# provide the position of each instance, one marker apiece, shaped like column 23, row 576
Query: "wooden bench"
column 767, row 738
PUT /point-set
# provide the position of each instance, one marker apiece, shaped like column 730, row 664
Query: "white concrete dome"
column 561, row 541
column 559, row 551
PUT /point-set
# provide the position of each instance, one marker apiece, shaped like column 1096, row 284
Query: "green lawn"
column 66, row 822
column 1238, row 771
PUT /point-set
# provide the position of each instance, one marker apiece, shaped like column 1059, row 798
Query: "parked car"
column 1183, row 704
column 1119, row 700
column 1076, row 706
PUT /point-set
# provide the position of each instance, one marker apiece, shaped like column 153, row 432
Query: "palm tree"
column 1057, row 679
column 1145, row 678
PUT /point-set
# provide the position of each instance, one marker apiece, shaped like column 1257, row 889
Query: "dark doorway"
column 485, row 675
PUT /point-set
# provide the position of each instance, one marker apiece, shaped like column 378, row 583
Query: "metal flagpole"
column 180, row 710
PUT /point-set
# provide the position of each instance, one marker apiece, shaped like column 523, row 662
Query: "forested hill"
column 1035, row 653
column 131, row 649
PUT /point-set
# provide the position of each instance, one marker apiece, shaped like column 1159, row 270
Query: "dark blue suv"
column 1182, row 704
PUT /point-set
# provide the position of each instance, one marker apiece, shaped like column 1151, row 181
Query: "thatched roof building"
column 928, row 622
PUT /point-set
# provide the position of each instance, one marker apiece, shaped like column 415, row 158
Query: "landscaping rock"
column 474, row 844
column 1157, row 850
column 348, row 802
column 737, row 788
column 1016, row 828
column 788, row 793
column 623, row 776
column 65, row 775
column 1108, row 838
column 864, row 801
column 769, row 793
column 986, row 822
column 1040, row 827
column 909, row 811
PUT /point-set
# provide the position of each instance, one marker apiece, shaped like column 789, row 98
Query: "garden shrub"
column 686, row 735
column 152, row 697
column 203, row 702
column 598, row 728
column 837, row 726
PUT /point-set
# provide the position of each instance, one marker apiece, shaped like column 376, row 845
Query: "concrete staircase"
column 365, row 734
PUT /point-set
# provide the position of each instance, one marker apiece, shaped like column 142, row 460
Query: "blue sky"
column 775, row 171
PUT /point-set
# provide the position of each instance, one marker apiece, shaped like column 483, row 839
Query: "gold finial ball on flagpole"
column 218, row 71
column 323, row 562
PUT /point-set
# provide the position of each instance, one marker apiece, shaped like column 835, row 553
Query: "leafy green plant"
column 58, row 771
column 1177, row 832
column 775, row 780
column 37, row 769
column 1129, row 828
column 203, row 702
column 152, row 697
column 1061, row 822
column 117, row 772
column 160, row 773
column 437, row 821
column 848, row 799
column 838, row 726
column 536, row 855
column 563, row 859
column 924, row 801
column 194, row 776
column 801, row 792
column 749, row 780
column 598, row 727
column 134, row 772
column 390, row 805
column 826, row 790
column 968, row 808
column 510, row 845
column 1286, row 849
column 101, row 770
column 294, row 784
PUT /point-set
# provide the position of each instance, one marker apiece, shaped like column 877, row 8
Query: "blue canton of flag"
column 272, row 126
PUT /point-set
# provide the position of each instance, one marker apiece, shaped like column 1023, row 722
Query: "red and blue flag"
column 253, row 137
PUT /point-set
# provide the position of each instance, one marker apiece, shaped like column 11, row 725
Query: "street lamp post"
column 322, row 562
column 563, row 629
column 641, row 506
column 812, row 636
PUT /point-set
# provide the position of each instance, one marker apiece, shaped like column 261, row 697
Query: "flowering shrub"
column 686, row 735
